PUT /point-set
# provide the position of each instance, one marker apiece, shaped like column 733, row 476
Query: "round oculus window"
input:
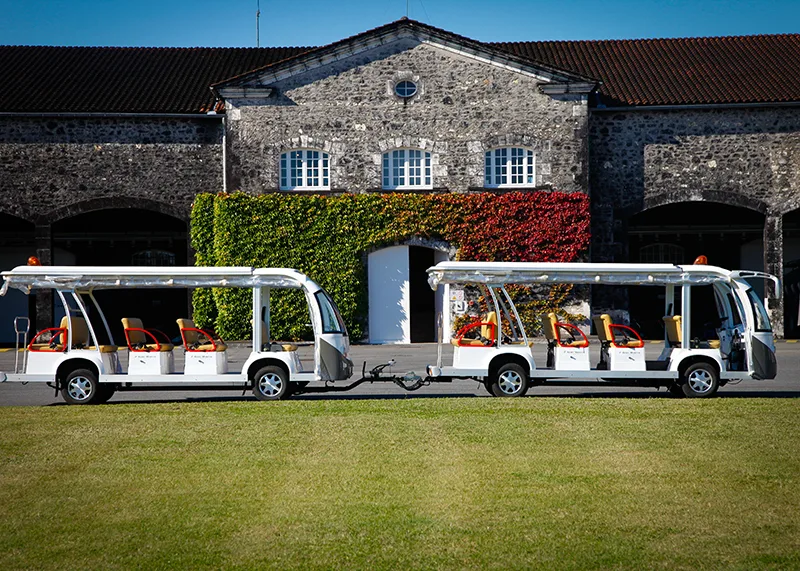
column 405, row 89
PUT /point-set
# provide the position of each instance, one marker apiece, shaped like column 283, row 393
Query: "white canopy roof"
column 530, row 273
column 26, row 278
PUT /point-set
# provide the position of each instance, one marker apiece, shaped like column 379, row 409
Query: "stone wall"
column 746, row 157
column 463, row 108
column 50, row 166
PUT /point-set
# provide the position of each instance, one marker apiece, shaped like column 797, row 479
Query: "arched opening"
column 17, row 243
column 791, row 274
column 729, row 236
column 402, row 306
column 127, row 237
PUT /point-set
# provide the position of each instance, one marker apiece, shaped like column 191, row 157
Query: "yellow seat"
column 137, row 337
column 674, row 326
column 195, row 339
column 80, row 335
column 605, row 332
column 552, row 331
column 488, row 333
column 267, row 346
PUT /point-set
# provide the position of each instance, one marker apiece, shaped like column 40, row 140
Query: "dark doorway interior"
column 728, row 236
column 791, row 274
column 422, row 298
column 129, row 237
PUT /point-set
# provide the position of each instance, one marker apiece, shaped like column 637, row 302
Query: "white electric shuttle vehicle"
column 496, row 350
column 79, row 357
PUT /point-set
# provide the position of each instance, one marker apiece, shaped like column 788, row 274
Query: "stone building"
column 685, row 146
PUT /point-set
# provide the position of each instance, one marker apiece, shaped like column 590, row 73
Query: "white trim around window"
column 509, row 167
column 407, row 169
column 305, row 169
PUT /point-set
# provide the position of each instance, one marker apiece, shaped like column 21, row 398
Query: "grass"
column 417, row 483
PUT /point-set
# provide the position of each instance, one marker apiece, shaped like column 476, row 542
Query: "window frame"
column 396, row 165
column 305, row 170
column 494, row 167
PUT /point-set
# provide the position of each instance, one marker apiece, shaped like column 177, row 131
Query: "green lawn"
column 417, row 483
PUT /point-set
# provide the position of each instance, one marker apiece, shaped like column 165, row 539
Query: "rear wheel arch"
column 256, row 366
column 66, row 367
column 500, row 360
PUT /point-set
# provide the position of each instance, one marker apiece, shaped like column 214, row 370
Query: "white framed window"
column 510, row 167
column 407, row 169
column 305, row 169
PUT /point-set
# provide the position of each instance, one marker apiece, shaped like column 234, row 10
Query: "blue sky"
column 314, row 22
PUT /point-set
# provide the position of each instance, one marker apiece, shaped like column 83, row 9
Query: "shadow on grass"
column 404, row 396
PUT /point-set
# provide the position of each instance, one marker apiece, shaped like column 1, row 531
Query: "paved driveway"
column 414, row 358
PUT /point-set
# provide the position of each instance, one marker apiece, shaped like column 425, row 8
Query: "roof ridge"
column 657, row 39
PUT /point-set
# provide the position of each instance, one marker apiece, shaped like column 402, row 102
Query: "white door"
column 389, row 296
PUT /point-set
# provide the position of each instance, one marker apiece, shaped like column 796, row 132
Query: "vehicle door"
column 759, row 341
column 332, row 344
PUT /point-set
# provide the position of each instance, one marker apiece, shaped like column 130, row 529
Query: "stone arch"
column 730, row 234
column 118, row 202
column 719, row 196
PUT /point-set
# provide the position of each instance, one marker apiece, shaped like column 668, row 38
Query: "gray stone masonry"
column 746, row 157
column 463, row 108
column 51, row 167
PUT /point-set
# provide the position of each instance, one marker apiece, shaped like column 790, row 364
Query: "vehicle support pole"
column 686, row 312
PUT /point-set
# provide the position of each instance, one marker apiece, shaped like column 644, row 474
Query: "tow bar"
column 409, row 382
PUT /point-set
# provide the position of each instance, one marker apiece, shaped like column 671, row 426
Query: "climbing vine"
column 328, row 238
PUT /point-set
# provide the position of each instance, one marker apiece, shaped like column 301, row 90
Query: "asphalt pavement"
column 410, row 358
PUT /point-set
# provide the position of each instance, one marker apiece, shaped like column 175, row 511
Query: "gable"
column 390, row 40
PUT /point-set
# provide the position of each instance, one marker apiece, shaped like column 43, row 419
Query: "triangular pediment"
column 395, row 37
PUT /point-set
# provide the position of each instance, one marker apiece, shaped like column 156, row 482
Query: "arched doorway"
column 729, row 236
column 17, row 243
column 127, row 237
column 402, row 306
column 791, row 274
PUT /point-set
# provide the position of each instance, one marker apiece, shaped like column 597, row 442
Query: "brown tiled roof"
column 680, row 71
column 39, row 79
column 743, row 69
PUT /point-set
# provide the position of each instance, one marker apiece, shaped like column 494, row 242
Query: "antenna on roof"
column 258, row 23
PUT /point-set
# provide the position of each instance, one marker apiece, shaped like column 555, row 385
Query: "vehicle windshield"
column 332, row 321
column 762, row 320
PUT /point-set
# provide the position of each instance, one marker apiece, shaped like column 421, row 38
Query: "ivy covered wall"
column 328, row 238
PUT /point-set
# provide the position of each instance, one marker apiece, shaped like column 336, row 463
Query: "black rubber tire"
column 488, row 386
column 511, row 381
column 700, row 380
column 81, row 387
column 271, row 383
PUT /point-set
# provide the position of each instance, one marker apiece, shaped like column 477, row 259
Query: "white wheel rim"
column 79, row 388
column 700, row 381
column 510, row 382
column 270, row 384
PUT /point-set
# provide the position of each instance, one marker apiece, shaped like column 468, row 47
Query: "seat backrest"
column 190, row 336
column 80, row 332
column 549, row 321
column 673, row 325
column 486, row 331
column 602, row 323
column 134, row 323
